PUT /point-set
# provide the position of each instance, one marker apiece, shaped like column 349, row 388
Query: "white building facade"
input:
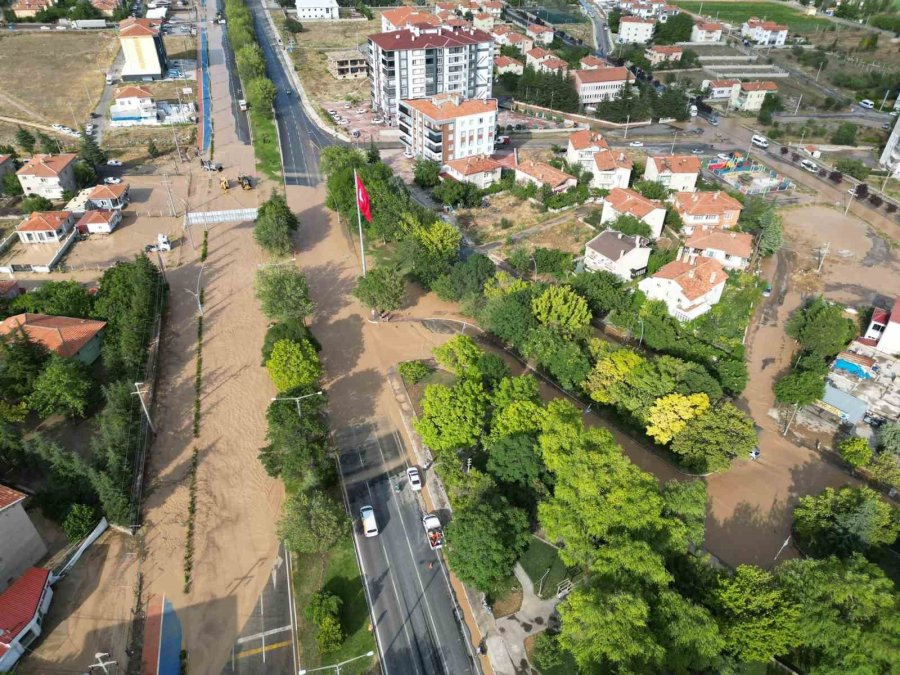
column 635, row 30
column 687, row 289
column 764, row 33
column 603, row 84
column 618, row 254
column 317, row 10
column 706, row 32
column 675, row 172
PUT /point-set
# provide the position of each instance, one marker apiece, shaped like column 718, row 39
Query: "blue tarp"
column 207, row 98
column 169, row 642
column 852, row 409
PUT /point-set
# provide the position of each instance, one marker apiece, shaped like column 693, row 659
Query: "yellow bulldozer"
column 245, row 181
column 224, row 184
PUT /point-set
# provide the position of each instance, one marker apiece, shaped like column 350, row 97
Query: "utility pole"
column 674, row 136
column 169, row 193
column 627, row 122
column 798, row 104
column 139, row 392
column 822, row 259
column 177, row 146
column 297, row 399
column 74, row 119
column 849, row 202
column 818, row 72
column 884, row 100
column 196, row 293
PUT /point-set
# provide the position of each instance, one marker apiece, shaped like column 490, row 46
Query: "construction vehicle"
column 433, row 531
column 244, row 180
column 224, row 184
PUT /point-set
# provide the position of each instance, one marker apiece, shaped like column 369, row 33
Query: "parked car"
column 408, row 153
column 502, row 140
column 112, row 180
column 369, row 525
column 113, row 162
column 378, row 120
column 697, row 151
column 867, row 104
column 636, row 144
column 767, row 291
column 415, row 480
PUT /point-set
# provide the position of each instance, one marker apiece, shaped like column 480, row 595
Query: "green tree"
column 80, row 521
column 452, row 417
column 11, row 185
column 293, row 364
column 855, row 451
column 465, row 279
column 603, row 291
column 293, row 26
column 373, row 155
column 609, row 373
column 85, row 175
column 381, row 289
column 460, row 355
column 312, row 523
column 844, row 521
column 261, row 93
column 670, row 414
column 250, row 62
column 274, row 224
column 48, row 145
column 509, row 317
column 562, row 308
column 755, row 615
column 25, row 140
column 297, row 442
column 820, row 327
column 651, row 189
column 845, row 134
column 769, row 231
column 152, row 149
column 563, row 357
column 800, row 388
column 514, row 459
column 889, row 437
column 484, row 541
column 630, row 225
column 330, row 635
column 676, row 29
column 21, row 363
column 852, row 167
column 711, row 440
column 426, row 174
column 58, row 298
column 63, row 387
column 90, row 152
column 34, row 203
column 283, row 293
column 414, row 372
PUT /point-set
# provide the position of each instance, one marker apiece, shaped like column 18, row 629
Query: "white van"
column 809, row 165
column 369, row 526
column 867, row 104
column 760, row 141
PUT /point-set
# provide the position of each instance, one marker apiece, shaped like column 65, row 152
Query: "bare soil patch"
column 484, row 225
column 570, row 236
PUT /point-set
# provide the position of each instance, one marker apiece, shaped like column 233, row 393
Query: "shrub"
column 855, row 451
column 414, row 372
column 79, row 522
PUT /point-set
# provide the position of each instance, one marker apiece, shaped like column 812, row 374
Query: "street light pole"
column 337, row 666
column 297, row 399
column 627, row 122
column 139, row 392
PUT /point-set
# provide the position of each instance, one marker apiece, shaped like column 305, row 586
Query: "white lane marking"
column 262, row 615
column 261, row 636
column 412, row 557
column 289, row 571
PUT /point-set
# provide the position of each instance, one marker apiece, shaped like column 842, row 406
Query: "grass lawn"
column 540, row 557
column 337, row 573
column 53, row 77
column 265, row 145
column 738, row 12
column 506, row 598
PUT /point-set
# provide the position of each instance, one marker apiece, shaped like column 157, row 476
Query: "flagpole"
column 362, row 245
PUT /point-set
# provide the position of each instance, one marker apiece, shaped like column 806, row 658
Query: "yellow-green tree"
column 459, row 355
column 293, row 364
column 609, row 371
column 562, row 308
column 670, row 414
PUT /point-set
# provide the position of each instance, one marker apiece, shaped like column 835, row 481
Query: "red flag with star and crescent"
column 362, row 200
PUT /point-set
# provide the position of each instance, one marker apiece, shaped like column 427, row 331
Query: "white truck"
column 433, row 531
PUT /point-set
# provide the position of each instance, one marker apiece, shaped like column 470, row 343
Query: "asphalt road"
column 415, row 618
column 241, row 123
column 300, row 138
column 265, row 645
column 601, row 34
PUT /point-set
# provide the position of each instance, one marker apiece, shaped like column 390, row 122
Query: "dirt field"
column 312, row 64
column 180, row 46
column 484, row 225
column 571, row 235
column 583, row 31
column 66, row 80
column 130, row 144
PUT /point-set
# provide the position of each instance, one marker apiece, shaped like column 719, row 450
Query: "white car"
column 76, row 134
column 113, row 162
column 344, row 123
column 112, row 180
column 378, row 120
column 361, row 111
column 408, row 154
column 867, row 104
column 723, row 156
column 332, row 112
column 415, row 481
column 636, row 144
column 369, row 525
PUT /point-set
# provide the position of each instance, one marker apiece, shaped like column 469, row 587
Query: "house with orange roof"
column 480, row 170
column 706, row 32
column 22, row 545
column 627, row 202
column 610, row 169
column 541, row 173
column 591, row 62
column 688, row 289
column 133, row 105
column 583, row 145
column 23, row 607
column 504, row 64
column 542, row 35
column 658, row 54
column 764, row 33
column 28, row 9
column 675, row 172
column 732, row 249
column 519, row 41
column 603, row 84
column 706, row 210
column 105, row 7
column 534, row 57
column 66, row 336
column 448, row 127
column 492, row 7
column 749, row 96
column 45, row 227
column 142, row 45
column 483, row 21
column 96, row 221
column 883, row 332
column 635, row 30
column 396, row 18
column 109, row 197
column 48, row 175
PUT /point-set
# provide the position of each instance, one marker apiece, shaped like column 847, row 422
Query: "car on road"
column 636, row 144
column 894, row 113
column 332, row 112
column 369, row 524
column 755, row 453
column 415, row 480
column 697, row 151
column 502, row 140
column 867, row 104
column 723, row 156
column 361, row 111
column 347, row 106
column 698, row 131
column 810, row 166
column 58, row 127
column 344, row 123
column 113, row 162
column 112, row 180
column 767, row 291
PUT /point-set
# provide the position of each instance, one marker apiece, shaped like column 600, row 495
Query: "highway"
column 413, row 612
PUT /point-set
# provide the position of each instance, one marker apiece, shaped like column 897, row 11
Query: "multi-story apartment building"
column 706, row 211
column 764, row 32
column 706, row 31
column 635, row 30
column 48, row 175
column 422, row 61
column 749, row 96
column 604, row 84
column 676, row 172
column 447, row 127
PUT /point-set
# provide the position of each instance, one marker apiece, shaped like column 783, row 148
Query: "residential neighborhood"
column 470, row 337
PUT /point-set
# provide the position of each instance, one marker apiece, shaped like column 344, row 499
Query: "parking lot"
column 360, row 118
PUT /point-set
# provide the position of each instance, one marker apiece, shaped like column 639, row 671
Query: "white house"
column 541, row 174
column 706, row 31
column 603, row 84
column 719, row 89
column 706, row 210
column 688, row 289
column 884, row 329
column 48, row 175
column 676, row 172
column 749, row 96
column 764, row 32
column 591, row 62
column 610, row 169
column 22, row 609
column 618, row 254
column 625, row 202
column 534, row 57
column 504, row 64
column 132, row 105
column 22, row 545
column 582, row 147
column 542, row 35
column 483, row 21
column 658, row 54
column 521, row 42
column 635, row 30
column 99, row 222
column 448, row 127
column 481, row 171
column 732, row 249
column 109, row 197
column 45, row 227
column 317, row 10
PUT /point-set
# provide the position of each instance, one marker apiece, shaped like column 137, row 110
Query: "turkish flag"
column 362, row 200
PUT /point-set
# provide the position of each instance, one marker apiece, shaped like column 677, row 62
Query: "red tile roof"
column 8, row 496
column 61, row 334
column 468, row 166
column 546, row 174
column 4, row 159
column 695, row 280
column 585, row 138
column 616, row 74
column 705, row 203
column 538, row 53
column 609, row 160
column 708, row 26
column 133, row 27
column 628, row 201
column 108, row 191
column 895, row 312
column 534, row 28
column 739, row 244
column 554, row 63
column 400, row 16
column 759, row 86
column 766, row 25
column 636, row 19
column 514, row 38
column 676, row 164
column 591, row 61
column 19, row 603
column 448, row 107
column 432, row 39
column 132, row 92
column 505, row 61
column 665, row 49
column 881, row 316
column 47, row 166
column 95, row 217
column 44, row 221
column 718, row 84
